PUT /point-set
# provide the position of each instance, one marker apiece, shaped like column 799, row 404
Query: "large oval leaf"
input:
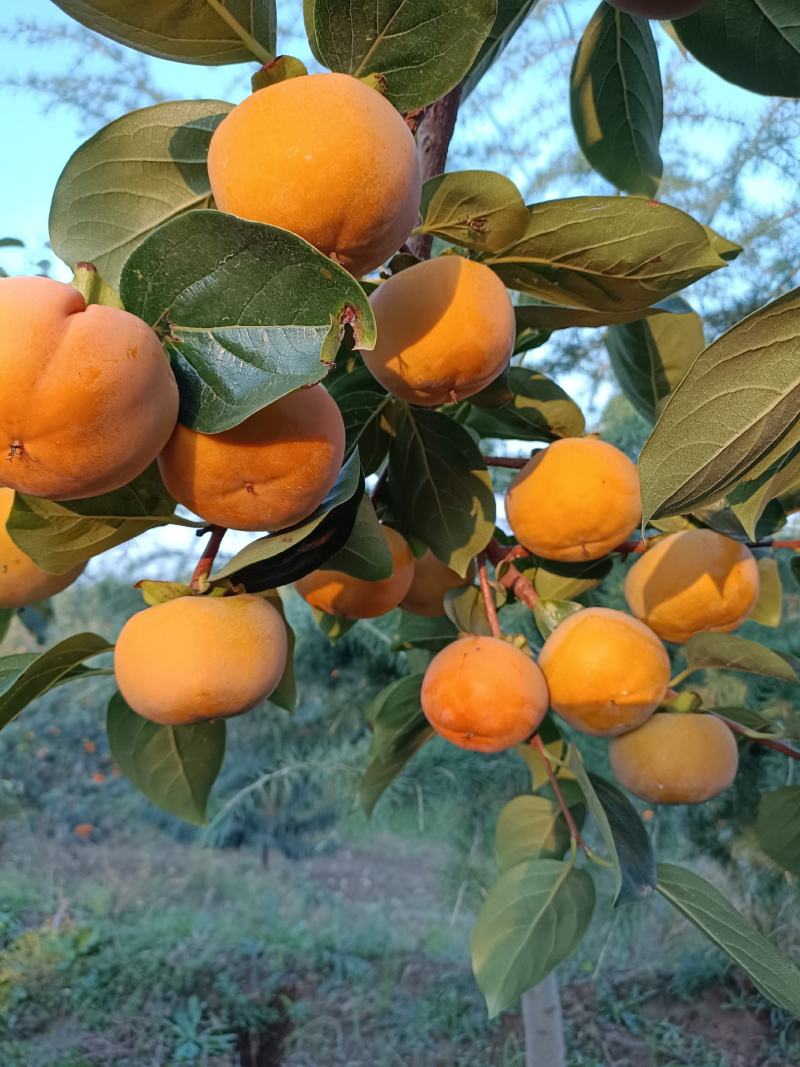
column 510, row 16
column 616, row 100
column 210, row 32
column 539, row 410
column 399, row 729
column 778, row 827
column 363, row 404
column 248, row 312
column 439, row 486
column 732, row 653
column 606, row 253
column 174, row 766
column 737, row 407
column 530, row 827
column 139, row 171
column 476, row 209
column 533, row 917
column 752, row 43
column 366, row 554
column 420, row 48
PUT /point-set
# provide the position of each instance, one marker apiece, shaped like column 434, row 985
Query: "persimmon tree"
column 300, row 383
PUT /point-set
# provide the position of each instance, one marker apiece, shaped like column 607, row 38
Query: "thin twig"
column 512, row 579
column 488, row 596
column 574, row 832
column 515, row 462
column 206, row 561
column 778, row 746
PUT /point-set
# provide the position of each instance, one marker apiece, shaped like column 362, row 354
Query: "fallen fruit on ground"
column 21, row 581
column 445, row 331
column 326, row 157
column 660, row 9
column 269, row 472
column 606, row 671
column 575, row 500
column 87, row 395
column 432, row 579
column 200, row 657
column 675, row 758
column 693, row 581
column 483, row 694
column 337, row 593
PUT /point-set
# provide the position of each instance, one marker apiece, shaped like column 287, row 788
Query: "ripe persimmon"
column 484, row 694
column 21, row 580
column 432, row 579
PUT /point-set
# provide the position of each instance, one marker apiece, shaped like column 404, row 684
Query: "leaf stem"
column 488, row 596
column 574, row 832
column 247, row 39
column 206, row 561
column 511, row 578
column 515, row 462
column 778, row 746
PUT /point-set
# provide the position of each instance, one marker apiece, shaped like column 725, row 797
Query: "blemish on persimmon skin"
column 15, row 450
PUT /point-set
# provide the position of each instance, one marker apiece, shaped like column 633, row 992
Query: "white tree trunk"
column 543, row 1025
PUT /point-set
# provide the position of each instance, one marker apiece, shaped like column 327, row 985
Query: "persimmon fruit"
column 22, row 582
column 432, row 580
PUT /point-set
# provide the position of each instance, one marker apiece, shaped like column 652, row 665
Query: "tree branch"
column 515, row 462
column 778, row 746
column 433, row 140
column 511, row 578
column 206, row 561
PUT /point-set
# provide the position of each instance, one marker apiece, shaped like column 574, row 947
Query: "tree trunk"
column 433, row 141
column 543, row 1025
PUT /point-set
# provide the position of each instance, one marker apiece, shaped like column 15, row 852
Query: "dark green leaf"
column 651, row 356
column 366, row 554
column 46, row 670
column 333, row 626
column 174, row 766
column 752, row 43
column 59, row 535
column 192, row 31
column 794, row 564
column 533, row 917
column 440, row 489
column 566, row 581
column 475, row 209
column 510, row 16
column 419, row 49
column 703, row 905
column 549, row 613
column 528, row 828
column 749, row 500
column 735, row 409
column 399, row 729
column 778, row 827
column 145, row 167
column 535, row 315
column 250, row 312
column 364, row 406
column 420, row 631
column 6, row 615
column 606, row 253
column 617, row 102
column 732, row 653
column 539, row 410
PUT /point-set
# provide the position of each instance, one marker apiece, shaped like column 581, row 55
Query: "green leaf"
column 749, row 500
column 209, row 32
column 280, row 69
column 439, row 486
column 160, row 592
column 11, row 242
column 134, row 174
column 530, row 828
column 59, row 535
column 533, row 917
column 333, row 626
column 249, row 312
column 466, row 610
column 285, row 693
column 174, row 766
column 6, row 615
column 421, row 50
column 399, row 729
column 728, row 652
column 510, row 16
column 566, row 581
column 616, row 100
column 606, row 253
column 549, row 613
column 769, row 606
column 475, row 209
column 421, row 631
column 281, row 558
column 364, row 406
column 651, row 356
column 46, row 670
column 539, row 410
column 94, row 288
column 705, row 907
column 737, row 405
column 778, row 827
column 366, row 554
column 752, row 43
column 536, row 315
column 623, row 832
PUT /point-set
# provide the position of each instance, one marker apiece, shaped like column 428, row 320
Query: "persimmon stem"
column 574, row 832
column 206, row 561
column 511, row 578
column 488, row 596
column 778, row 746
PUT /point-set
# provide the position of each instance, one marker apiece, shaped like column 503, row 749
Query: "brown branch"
column 574, row 832
column 511, row 579
column 488, row 596
column 433, row 140
column 515, row 462
column 206, row 561
column 778, row 746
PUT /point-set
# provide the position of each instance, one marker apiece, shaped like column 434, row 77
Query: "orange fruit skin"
column 606, row 672
column 269, row 472
column 693, row 581
column 660, row 9
column 21, row 580
column 340, row 594
column 87, row 396
column 326, row 157
column 675, row 758
column 575, row 500
column 199, row 658
column 445, row 331
column 432, row 579
column 483, row 694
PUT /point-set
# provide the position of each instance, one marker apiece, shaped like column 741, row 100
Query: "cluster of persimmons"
column 88, row 401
